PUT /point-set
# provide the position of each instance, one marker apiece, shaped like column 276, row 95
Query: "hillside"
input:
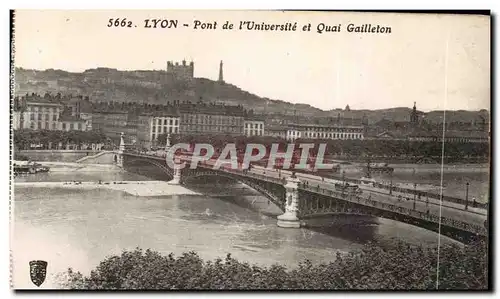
column 105, row 84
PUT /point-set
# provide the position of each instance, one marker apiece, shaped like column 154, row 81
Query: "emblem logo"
column 38, row 271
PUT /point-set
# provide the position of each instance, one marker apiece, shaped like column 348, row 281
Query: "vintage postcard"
column 250, row 150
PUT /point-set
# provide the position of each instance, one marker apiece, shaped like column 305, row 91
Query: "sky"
column 438, row 61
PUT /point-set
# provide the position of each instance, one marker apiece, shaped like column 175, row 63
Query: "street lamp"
column 466, row 195
column 390, row 187
column 414, row 195
column 343, row 182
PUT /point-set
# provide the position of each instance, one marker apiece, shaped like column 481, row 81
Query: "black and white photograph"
column 179, row 150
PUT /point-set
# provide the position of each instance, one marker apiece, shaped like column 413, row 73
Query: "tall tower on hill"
column 221, row 73
column 414, row 115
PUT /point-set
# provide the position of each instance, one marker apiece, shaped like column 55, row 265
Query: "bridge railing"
column 397, row 209
column 255, row 175
column 209, row 165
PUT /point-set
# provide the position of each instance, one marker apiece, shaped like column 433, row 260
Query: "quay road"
column 448, row 210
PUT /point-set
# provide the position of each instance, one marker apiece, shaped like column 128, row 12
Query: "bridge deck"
column 451, row 214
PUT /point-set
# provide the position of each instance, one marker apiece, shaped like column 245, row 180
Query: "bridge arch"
column 157, row 163
column 274, row 198
column 448, row 231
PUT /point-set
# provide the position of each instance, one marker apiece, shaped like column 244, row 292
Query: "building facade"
column 16, row 119
column 39, row 114
column 166, row 124
column 104, row 120
column 293, row 133
column 211, row 119
column 49, row 113
column 254, row 127
column 451, row 136
column 277, row 131
column 87, row 117
column 317, row 131
column 72, row 123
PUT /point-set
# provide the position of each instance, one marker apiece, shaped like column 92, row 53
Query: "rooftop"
column 203, row 108
column 334, row 125
column 64, row 117
column 276, row 128
column 42, row 101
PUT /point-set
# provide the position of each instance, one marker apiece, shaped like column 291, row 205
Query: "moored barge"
column 28, row 167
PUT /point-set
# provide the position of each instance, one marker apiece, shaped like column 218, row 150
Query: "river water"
column 79, row 228
column 455, row 178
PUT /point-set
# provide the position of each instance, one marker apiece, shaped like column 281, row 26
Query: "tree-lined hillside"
column 155, row 87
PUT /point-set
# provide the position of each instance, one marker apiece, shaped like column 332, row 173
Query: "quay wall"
column 54, row 155
column 106, row 157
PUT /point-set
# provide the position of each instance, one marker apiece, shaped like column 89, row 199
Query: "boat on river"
column 378, row 168
column 367, row 181
column 29, row 167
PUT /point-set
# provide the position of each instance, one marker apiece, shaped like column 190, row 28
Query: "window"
column 54, row 117
column 80, row 126
column 53, row 126
column 32, row 125
column 64, row 126
column 32, row 116
column 71, row 126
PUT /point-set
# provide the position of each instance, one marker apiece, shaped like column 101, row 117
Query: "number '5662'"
column 119, row 23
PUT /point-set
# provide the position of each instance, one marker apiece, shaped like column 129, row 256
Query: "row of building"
column 144, row 126
column 47, row 113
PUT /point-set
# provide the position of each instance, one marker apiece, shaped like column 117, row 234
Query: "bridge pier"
column 121, row 150
column 289, row 219
column 177, row 173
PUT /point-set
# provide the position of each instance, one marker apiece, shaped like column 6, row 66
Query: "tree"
column 398, row 266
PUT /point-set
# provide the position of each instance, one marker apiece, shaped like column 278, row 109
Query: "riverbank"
column 137, row 188
column 73, row 166
column 422, row 168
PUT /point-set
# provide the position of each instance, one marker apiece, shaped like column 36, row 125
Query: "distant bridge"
column 303, row 198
